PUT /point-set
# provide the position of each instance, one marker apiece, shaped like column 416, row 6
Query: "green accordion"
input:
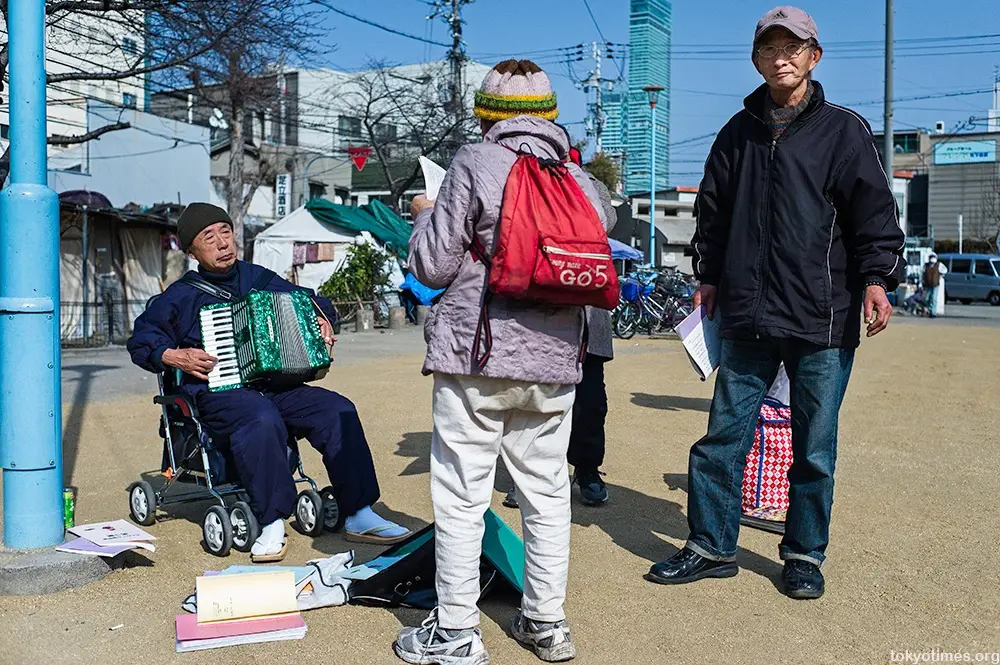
column 264, row 337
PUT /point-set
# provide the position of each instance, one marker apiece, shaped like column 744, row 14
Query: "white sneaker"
column 431, row 645
column 549, row 641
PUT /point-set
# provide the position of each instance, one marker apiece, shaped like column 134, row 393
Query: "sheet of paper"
column 84, row 546
column 700, row 337
column 433, row 177
column 224, row 597
column 111, row 533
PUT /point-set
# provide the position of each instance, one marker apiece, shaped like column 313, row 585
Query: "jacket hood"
column 756, row 106
column 543, row 138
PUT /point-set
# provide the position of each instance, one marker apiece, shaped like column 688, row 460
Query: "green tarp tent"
column 377, row 218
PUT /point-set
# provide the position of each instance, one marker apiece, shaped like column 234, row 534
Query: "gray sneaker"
column 431, row 645
column 549, row 641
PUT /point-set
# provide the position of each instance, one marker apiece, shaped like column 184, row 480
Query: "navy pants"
column 586, row 442
column 818, row 379
column 257, row 425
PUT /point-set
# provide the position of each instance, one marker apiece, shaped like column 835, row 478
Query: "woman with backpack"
column 505, row 345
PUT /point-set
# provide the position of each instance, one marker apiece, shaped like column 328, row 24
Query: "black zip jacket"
column 791, row 231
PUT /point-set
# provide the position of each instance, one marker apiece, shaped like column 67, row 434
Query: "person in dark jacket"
column 797, row 235
column 257, row 422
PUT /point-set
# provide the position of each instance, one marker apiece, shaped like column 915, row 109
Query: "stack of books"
column 107, row 539
column 241, row 609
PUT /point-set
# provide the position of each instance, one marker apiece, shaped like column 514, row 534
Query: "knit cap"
column 196, row 218
column 513, row 88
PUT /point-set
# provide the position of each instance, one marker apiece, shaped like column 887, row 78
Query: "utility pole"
column 598, row 106
column 30, row 391
column 888, row 148
column 451, row 12
column 596, row 81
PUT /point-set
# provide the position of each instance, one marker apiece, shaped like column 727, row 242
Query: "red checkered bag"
column 765, row 481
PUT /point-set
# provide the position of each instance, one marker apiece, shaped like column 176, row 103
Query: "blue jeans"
column 818, row 379
column 931, row 299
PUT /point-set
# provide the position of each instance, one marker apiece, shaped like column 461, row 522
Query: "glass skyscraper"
column 627, row 135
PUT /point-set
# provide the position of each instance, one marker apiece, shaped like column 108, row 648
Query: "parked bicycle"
column 652, row 301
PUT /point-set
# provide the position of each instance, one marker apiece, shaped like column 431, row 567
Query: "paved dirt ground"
column 913, row 563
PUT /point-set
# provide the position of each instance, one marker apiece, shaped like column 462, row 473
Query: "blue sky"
column 707, row 88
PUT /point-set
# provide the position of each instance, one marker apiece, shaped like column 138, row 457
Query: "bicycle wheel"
column 626, row 321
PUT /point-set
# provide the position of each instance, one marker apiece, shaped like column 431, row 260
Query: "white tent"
column 273, row 248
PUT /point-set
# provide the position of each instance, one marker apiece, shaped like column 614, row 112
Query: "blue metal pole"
column 30, row 418
column 652, row 188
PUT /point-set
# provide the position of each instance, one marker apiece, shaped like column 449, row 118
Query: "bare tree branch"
column 99, row 6
column 134, row 71
column 403, row 118
column 83, row 138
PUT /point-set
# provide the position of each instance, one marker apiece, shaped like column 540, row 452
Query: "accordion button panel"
column 218, row 339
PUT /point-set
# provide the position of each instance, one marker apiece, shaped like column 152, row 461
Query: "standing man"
column 797, row 234
column 934, row 272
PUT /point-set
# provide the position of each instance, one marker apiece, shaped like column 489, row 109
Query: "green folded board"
column 504, row 550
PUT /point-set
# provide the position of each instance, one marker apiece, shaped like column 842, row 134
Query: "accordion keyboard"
column 219, row 341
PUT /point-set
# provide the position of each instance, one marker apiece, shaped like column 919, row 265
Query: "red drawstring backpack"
column 551, row 247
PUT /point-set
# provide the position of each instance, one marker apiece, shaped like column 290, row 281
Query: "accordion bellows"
column 265, row 336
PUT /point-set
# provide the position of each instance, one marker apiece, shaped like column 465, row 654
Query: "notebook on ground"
column 192, row 636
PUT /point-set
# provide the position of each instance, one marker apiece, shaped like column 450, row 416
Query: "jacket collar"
column 541, row 137
column 756, row 105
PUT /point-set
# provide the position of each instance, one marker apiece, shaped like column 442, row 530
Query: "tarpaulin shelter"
column 111, row 262
column 378, row 219
column 275, row 248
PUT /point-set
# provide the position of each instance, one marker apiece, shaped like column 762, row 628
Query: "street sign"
column 965, row 152
column 282, row 194
column 359, row 155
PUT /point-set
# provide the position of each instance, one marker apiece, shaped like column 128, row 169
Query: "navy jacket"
column 171, row 321
column 792, row 230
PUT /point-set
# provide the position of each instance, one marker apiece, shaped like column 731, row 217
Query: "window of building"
column 349, row 129
column 4, row 131
column 316, row 190
column 385, row 132
column 129, row 46
column 128, row 100
column 906, row 144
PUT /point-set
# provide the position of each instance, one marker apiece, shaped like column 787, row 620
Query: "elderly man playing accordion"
column 257, row 421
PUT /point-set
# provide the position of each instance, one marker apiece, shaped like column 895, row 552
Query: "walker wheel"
column 217, row 531
column 246, row 529
column 142, row 503
column 309, row 513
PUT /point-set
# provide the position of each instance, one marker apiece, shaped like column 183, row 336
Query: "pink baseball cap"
column 793, row 19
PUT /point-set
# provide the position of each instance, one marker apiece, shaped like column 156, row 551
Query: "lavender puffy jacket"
column 531, row 342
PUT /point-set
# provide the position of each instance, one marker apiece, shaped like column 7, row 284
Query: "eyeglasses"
column 789, row 50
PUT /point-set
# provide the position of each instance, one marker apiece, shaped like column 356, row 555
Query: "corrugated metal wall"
column 962, row 189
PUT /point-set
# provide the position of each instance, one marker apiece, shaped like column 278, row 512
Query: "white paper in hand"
column 433, row 177
column 700, row 337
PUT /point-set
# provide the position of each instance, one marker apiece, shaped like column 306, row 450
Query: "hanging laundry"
column 312, row 253
column 298, row 254
column 326, row 251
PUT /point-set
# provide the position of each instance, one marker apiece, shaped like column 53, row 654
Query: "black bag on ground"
column 406, row 571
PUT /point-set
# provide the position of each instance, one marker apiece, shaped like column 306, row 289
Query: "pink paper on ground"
column 188, row 627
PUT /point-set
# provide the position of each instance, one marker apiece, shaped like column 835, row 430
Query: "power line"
column 373, row 24
column 593, row 18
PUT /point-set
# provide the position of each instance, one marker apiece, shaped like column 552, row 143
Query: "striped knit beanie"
column 513, row 88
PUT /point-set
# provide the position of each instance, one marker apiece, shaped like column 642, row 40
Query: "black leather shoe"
column 802, row 579
column 689, row 566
